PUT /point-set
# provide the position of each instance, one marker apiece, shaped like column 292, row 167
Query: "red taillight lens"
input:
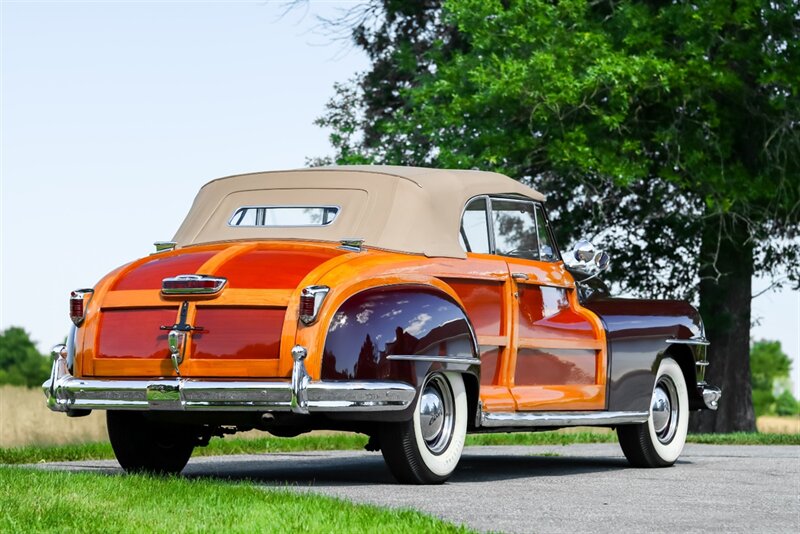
column 77, row 305
column 311, row 301
column 307, row 305
column 187, row 284
column 76, row 308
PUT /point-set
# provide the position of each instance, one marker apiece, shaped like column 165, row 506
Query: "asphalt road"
column 574, row 488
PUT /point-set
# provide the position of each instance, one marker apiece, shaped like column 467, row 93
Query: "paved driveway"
column 574, row 488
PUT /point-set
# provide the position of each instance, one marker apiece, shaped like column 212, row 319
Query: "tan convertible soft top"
column 407, row 209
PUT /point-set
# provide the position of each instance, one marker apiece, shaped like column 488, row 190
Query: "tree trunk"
column 726, row 271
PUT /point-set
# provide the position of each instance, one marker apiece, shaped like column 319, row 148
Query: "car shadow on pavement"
column 300, row 470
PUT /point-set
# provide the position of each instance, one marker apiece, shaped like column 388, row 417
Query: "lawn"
column 57, row 501
column 268, row 444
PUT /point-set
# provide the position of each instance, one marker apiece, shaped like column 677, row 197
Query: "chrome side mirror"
column 585, row 257
column 584, row 251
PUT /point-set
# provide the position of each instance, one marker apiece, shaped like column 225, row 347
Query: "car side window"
column 514, row 223
column 474, row 234
column 547, row 251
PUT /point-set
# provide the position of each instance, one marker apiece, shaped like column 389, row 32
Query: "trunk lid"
column 240, row 331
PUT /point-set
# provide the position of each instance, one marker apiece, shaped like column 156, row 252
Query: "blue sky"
column 115, row 113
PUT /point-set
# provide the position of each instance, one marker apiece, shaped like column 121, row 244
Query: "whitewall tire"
column 427, row 448
column 659, row 442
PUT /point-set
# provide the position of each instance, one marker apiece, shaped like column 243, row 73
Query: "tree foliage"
column 769, row 367
column 21, row 364
column 670, row 130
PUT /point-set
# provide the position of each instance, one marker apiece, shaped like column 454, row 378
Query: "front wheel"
column 659, row 441
column 426, row 449
column 145, row 446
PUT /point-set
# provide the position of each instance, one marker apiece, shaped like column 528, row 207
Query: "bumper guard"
column 710, row 394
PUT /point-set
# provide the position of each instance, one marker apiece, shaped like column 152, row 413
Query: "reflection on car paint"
column 373, row 325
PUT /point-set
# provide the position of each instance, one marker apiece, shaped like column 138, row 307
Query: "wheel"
column 659, row 441
column 144, row 446
column 426, row 448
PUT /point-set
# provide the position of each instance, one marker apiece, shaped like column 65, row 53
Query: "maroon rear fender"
column 376, row 324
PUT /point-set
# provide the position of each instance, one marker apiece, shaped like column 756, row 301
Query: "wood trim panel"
column 192, row 368
column 557, row 398
column 140, row 298
column 568, row 344
column 498, row 341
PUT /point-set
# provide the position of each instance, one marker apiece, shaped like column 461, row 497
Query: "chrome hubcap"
column 661, row 410
column 430, row 414
column 664, row 409
column 436, row 414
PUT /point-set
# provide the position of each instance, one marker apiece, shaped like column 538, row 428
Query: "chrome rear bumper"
column 67, row 393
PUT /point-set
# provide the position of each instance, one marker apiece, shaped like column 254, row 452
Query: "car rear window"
column 281, row 216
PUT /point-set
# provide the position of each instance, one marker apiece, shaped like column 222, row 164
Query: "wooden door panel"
column 560, row 398
column 487, row 296
column 545, row 367
column 483, row 300
column 559, row 355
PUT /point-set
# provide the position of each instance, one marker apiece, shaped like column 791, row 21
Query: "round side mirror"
column 584, row 251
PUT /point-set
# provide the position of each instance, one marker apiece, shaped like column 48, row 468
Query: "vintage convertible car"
column 409, row 304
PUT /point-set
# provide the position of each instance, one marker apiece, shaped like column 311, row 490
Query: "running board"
column 558, row 419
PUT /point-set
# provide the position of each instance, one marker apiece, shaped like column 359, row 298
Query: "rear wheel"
column 426, row 449
column 659, row 441
column 144, row 446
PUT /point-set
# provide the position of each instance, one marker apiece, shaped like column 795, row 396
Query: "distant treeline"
column 769, row 376
column 21, row 364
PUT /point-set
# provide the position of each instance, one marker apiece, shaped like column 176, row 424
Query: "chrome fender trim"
column 458, row 362
column 557, row 419
column 699, row 340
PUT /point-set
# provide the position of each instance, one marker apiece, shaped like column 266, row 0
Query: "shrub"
column 786, row 404
column 21, row 364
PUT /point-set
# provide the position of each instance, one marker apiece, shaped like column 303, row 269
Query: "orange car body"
column 252, row 324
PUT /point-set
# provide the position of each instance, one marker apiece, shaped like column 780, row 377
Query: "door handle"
column 519, row 276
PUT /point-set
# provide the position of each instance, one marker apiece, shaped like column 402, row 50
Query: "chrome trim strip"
column 546, row 419
column 702, row 363
column 65, row 392
column 697, row 340
column 434, row 359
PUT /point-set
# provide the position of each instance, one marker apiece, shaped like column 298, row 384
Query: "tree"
column 670, row 129
column 768, row 365
column 786, row 404
column 399, row 37
column 20, row 363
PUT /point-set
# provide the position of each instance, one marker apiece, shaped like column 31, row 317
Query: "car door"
column 483, row 285
column 557, row 358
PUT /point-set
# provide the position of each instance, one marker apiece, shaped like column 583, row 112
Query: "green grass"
column 541, row 438
column 58, row 501
column 268, row 444
column 745, row 438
